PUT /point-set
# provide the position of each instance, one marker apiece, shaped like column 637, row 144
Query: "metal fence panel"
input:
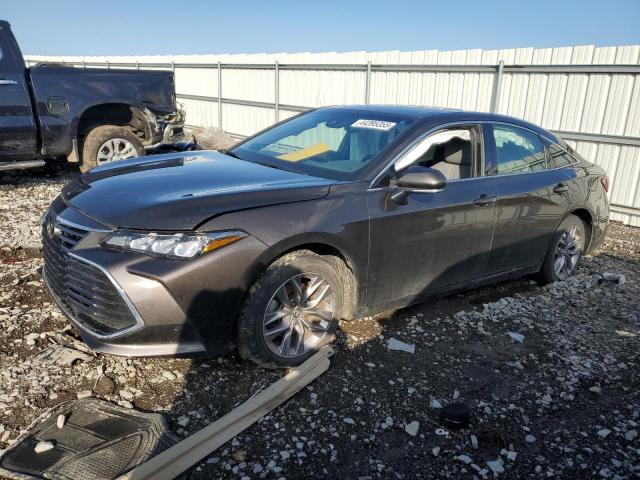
column 590, row 95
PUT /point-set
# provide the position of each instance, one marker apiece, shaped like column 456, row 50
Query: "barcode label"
column 375, row 124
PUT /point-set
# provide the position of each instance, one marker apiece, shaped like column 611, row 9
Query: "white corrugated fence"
column 588, row 95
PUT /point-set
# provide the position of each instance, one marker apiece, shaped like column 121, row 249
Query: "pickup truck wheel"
column 109, row 143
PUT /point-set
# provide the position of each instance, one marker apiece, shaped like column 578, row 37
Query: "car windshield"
column 328, row 143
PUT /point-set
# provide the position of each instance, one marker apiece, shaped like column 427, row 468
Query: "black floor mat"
column 98, row 441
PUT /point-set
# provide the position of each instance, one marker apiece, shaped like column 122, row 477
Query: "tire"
column 99, row 136
column 571, row 230
column 261, row 315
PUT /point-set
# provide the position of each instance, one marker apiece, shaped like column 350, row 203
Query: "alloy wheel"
column 568, row 253
column 298, row 316
column 116, row 149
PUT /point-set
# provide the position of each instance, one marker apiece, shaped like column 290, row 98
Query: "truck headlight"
column 176, row 245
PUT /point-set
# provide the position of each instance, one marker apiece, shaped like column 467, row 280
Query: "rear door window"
column 516, row 150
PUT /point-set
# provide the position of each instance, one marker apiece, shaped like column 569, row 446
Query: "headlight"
column 177, row 245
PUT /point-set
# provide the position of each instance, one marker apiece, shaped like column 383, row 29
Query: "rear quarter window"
column 559, row 157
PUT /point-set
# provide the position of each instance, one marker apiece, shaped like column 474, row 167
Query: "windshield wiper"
column 278, row 167
column 231, row 153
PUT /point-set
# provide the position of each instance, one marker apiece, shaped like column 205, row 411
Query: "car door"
column 436, row 239
column 17, row 125
column 531, row 197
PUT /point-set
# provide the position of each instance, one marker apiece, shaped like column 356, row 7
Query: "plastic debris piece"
column 61, row 355
column 600, row 278
column 395, row 344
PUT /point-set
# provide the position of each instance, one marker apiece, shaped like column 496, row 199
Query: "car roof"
column 433, row 116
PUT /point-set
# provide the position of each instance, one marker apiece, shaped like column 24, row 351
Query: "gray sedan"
column 336, row 213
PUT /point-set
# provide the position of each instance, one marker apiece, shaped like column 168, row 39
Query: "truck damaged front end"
column 164, row 128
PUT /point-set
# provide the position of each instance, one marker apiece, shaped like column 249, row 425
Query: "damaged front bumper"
column 173, row 139
column 165, row 128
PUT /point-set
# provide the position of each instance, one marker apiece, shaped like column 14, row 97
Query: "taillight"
column 605, row 183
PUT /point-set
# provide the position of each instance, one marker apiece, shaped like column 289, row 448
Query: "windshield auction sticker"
column 374, row 124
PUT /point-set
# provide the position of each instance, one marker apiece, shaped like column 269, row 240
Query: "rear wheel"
column 109, row 143
column 565, row 251
column 291, row 311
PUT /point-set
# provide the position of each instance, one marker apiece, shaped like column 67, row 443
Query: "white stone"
column 348, row 420
column 412, row 428
column 43, row 446
column 518, row 337
column 84, row 394
column 60, row 421
column 496, row 466
column 126, row 394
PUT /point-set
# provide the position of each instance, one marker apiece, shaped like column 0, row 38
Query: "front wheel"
column 291, row 311
column 109, row 143
column 565, row 251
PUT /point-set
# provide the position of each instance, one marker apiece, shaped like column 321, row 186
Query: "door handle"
column 561, row 188
column 484, row 200
column 7, row 82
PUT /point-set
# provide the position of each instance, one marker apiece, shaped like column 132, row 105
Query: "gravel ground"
column 563, row 402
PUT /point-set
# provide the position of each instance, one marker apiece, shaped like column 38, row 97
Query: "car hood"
column 181, row 191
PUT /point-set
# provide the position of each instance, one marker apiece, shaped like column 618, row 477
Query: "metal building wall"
column 589, row 95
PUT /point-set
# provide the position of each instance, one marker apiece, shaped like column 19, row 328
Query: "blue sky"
column 115, row 27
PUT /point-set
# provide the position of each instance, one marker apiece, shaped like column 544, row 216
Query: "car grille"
column 83, row 290
column 66, row 234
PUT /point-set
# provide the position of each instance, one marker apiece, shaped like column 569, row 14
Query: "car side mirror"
column 419, row 180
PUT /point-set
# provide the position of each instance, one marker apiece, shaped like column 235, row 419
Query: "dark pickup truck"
column 88, row 116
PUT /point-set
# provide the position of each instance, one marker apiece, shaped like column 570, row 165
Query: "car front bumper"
column 134, row 305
